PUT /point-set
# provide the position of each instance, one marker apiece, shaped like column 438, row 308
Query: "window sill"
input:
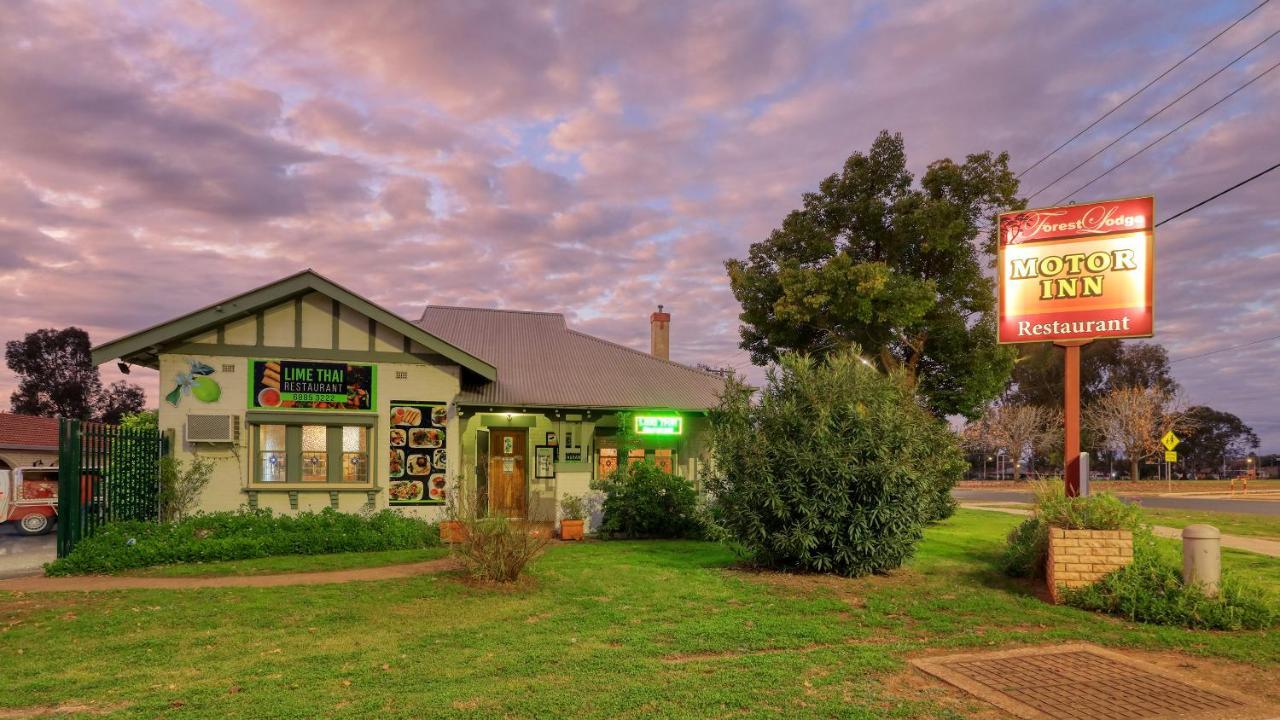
column 312, row 487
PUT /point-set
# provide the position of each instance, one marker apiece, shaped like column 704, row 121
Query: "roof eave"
column 141, row 347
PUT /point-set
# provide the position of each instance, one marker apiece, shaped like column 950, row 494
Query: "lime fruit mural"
column 195, row 382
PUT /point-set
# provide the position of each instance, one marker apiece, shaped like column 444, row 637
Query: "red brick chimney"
column 660, row 334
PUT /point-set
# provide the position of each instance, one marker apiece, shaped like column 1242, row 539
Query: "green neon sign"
column 659, row 425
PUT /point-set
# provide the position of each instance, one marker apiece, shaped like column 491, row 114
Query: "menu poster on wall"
column 418, row 462
column 306, row 385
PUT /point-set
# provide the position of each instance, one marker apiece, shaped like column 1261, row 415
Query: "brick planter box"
column 1081, row 557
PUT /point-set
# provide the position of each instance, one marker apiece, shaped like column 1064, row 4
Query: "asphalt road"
column 1251, row 507
column 23, row 555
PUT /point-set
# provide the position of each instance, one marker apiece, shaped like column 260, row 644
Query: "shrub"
column 1101, row 511
column 181, row 485
column 242, row 534
column 644, row 501
column 1151, row 590
column 573, row 507
column 1027, row 548
column 837, row 468
column 494, row 549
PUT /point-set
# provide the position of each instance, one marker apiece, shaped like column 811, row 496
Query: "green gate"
column 105, row 473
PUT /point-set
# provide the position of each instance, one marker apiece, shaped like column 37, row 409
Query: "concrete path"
column 24, row 554
column 90, row 583
column 1235, row 542
column 1267, row 505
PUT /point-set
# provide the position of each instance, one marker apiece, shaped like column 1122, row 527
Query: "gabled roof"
column 542, row 363
column 27, row 432
column 141, row 347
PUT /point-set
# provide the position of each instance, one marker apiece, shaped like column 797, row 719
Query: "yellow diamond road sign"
column 1170, row 456
column 1170, row 440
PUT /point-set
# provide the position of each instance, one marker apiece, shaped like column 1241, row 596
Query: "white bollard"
column 1202, row 557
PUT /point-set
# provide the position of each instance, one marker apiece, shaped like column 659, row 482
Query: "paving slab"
column 1086, row 682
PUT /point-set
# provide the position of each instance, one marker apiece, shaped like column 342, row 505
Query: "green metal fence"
column 105, row 473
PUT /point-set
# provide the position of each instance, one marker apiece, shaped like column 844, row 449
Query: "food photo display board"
column 418, row 460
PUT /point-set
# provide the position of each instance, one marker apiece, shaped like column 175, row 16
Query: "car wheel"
column 34, row 524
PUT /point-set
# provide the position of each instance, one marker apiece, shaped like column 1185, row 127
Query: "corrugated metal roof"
column 28, row 431
column 542, row 363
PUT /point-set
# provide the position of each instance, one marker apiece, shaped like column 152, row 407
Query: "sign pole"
column 1071, row 416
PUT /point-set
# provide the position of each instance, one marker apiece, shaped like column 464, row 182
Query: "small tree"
column 837, row 468
column 180, row 486
column 490, row 548
column 1133, row 419
column 1019, row 430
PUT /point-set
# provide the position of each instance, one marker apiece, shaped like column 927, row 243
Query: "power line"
column 1154, row 115
column 1186, row 122
column 1225, row 349
column 1218, row 195
column 1175, row 66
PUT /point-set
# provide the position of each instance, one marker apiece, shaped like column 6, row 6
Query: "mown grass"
column 1244, row 524
column 600, row 630
column 292, row 563
column 1262, row 526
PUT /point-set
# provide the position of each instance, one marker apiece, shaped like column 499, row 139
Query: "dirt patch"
column 848, row 590
column 45, row 711
column 914, row 686
column 526, row 583
column 681, row 658
column 93, row 583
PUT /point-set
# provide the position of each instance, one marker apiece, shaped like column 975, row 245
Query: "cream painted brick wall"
column 232, row 463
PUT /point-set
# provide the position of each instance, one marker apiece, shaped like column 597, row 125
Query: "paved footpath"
column 1235, row 542
column 88, row 583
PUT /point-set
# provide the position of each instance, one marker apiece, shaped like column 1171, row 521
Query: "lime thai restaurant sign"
column 659, row 424
column 304, row 385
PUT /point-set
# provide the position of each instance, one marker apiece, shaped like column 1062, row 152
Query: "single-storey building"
column 27, row 441
column 307, row 395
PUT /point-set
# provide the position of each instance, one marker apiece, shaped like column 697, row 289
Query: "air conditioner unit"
column 213, row 428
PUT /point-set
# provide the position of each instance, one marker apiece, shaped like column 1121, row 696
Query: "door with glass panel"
column 507, row 488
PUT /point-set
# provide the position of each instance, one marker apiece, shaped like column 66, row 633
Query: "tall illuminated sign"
column 1073, row 274
column 1077, row 272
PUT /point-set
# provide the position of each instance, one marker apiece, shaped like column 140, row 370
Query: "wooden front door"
column 507, row 449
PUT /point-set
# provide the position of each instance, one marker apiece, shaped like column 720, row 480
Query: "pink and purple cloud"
column 595, row 158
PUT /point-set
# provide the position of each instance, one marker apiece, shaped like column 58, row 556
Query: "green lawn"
column 602, row 630
column 292, row 563
column 1263, row 526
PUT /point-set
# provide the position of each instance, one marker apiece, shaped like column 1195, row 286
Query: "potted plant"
column 573, row 510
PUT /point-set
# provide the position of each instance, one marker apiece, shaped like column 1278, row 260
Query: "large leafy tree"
column 1105, row 365
column 1213, row 438
column 874, row 260
column 57, row 377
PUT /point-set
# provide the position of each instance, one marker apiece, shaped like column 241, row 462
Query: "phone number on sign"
column 314, row 397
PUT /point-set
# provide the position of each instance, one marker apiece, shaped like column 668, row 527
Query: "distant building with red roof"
column 26, row 440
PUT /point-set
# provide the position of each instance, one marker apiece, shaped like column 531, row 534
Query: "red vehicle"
column 29, row 498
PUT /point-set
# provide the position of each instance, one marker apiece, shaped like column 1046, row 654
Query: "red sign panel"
column 1077, row 272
